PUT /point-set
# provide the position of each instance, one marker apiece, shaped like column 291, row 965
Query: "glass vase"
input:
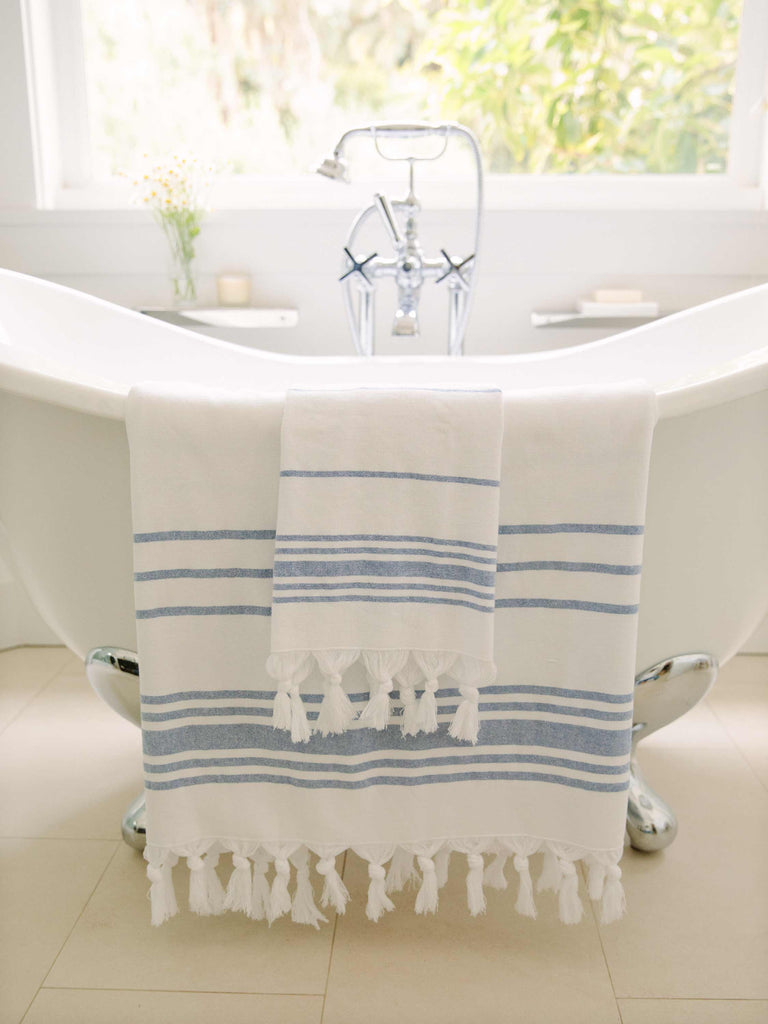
column 180, row 232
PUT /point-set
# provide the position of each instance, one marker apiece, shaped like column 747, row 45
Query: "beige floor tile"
column 75, row 764
column 78, row 1006
column 449, row 968
column 697, row 925
column 44, row 884
column 740, row 701
column 114, row 945
column 24, row 672
column 693, row 1011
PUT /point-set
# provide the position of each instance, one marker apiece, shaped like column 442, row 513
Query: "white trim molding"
column 59, row 139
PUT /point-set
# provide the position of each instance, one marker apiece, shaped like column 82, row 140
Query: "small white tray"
column 242, row 316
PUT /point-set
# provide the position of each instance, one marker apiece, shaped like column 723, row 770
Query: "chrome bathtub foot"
column 134, row 826
column 114, row 675
column 113, row 672
column 662, row 694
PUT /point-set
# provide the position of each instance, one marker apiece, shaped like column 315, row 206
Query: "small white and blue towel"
column 221, row 538
column 387, row 528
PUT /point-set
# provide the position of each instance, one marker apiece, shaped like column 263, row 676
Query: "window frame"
column 56, row 82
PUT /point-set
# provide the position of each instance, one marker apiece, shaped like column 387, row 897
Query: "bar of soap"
column 617, row 295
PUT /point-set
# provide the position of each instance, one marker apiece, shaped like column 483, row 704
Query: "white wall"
column 531, row 258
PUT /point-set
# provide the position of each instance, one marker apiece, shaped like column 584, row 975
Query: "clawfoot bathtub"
column 67, row 361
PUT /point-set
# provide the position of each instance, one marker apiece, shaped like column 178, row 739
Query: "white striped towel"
column 387, row 527
column 550, row 771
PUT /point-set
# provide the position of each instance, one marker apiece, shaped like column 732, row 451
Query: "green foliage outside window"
column 549, row 86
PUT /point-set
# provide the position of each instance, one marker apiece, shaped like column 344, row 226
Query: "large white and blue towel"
column 550, row 769
column 387, row 527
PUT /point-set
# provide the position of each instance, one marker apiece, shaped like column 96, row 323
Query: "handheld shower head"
column 335, row 168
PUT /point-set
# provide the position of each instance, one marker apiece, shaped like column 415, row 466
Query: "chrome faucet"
column 409, row 267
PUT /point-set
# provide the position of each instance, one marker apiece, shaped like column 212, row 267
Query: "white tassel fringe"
column 279, row 898
column 378, row 901
column 525, row 904
column 303, row 908
column 494, row 874
column 260, row 895
column 401, row 870
column 475, row 893
column 249, row 892
column 335, row 894
column 239, row 894
column 571, row 909
column 427, row 897
column 614, row 902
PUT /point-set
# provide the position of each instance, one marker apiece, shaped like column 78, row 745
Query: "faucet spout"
column 406, row 324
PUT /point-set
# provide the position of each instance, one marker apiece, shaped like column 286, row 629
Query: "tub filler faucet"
column 407, row 266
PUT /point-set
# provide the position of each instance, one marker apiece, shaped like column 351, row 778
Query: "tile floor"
column 76, row 946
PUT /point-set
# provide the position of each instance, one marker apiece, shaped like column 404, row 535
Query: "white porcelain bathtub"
column 67, row 361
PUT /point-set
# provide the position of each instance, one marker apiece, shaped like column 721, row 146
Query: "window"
column 551, row 87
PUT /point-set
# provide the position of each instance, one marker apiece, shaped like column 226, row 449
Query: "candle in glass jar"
column 233, row 289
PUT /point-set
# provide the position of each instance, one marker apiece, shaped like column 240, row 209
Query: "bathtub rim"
column 740, row 378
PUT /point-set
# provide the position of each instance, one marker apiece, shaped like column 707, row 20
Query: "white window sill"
column 551, row 192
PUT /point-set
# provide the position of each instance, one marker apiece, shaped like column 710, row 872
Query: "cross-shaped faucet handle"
column 358, row 266
column 454, row 271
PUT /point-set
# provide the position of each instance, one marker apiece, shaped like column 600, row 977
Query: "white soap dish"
column 242, row 316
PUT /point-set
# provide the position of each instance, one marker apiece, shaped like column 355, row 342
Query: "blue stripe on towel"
column 201, row 574
column 508, row 732
column 391, row 780
column 345, row 767
column 369, row 567
column 579, row 606
column 383, row 586
column 606, row 567
column 449, row 691
column 570, row 528
column 313, row 537
column 446, row 709
column 475, row 481
column 146, row 538
column 385, row 551
column 171, row 611
column 378, row 599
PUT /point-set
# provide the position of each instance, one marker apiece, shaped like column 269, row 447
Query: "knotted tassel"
column 239, row 894
column 279, row 898
column 596, row 879
column 260, row 899
column 432, row 664
column 199, row 902
column 427, row 711
column 466, row 721
column 161, row 892
column 427, row 896
column 614, row 902
column 401, row 870
column 469, row 673
column 568, row 893
column 407, row 678
column 442, row 859
column 335, row 894
column 215, row 888
column 549, row 879
column 337, row 710
column 290, row 668
column 378, row 901
column 475, row 894
column 525, row 904
column 303, row 909
column 382, row 666
column 494, row 873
